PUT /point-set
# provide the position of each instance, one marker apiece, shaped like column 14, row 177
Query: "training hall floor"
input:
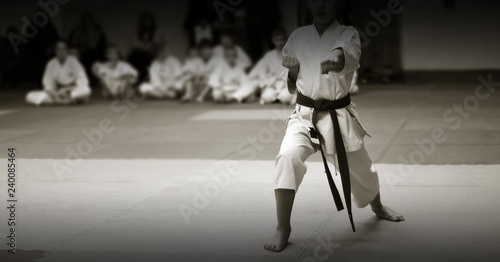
column 163, row 181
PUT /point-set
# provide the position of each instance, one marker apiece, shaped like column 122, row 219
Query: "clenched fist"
column 335, row 64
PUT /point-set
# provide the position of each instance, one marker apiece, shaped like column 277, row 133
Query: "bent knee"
column 290, row 155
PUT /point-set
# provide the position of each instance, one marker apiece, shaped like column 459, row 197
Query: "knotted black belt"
column 331, row 106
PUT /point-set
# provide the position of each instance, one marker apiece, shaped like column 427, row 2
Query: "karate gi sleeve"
column 289, row 57
column 188, row 67
column 243, row 58
column 214, row 79
column 130, row 70
column 258, row 72
column 154, row 74
column 100, row 70
column 48, row 78
column 243, row 77
column 350, row 43
column 289, row 60
column 81, row 77
column 177, row 68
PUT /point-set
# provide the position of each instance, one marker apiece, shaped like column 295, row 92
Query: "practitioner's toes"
column 270, row 247
column 278, row 242
column 389, row 214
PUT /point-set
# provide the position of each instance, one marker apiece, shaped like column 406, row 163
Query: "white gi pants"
column 41, row 97
column 151, row 90
column 224, row 93
column 296, row 148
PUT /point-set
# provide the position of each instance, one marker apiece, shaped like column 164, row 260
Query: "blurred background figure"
column 90, row 41
column 146, row 44
column 199, row 21
column 266, row 75
column 227, row 42
column 197, row 69
column 190, row 71
column 64, row 81
column 203, row 30
column 165, row 77
column 116, row 76
column 208, row 65
column 228, row 77
column 74, row 52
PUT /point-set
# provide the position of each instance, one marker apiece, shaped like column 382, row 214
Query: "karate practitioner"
column 227, row 42
column 266, row 75
column 165, row 77
column 116, row 76
column 191, row 74
column 64, row 81
column 228, row 77
column 321, row 59
column 198, row 68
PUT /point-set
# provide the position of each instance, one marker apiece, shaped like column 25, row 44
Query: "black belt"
column 331, row 106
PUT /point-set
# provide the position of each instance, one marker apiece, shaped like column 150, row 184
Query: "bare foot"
column 388, row 214
column 278, row 242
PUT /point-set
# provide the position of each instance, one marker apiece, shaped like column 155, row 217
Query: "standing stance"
column 64, row 81
column 320, row 61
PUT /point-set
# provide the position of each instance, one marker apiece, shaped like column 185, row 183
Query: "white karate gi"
column 226, row 80
column 70, row 75
column 266, row 75
column 243, row 59
column 196, row 73
column 164, row 79
column 112, row 77
column 307, row 48
column 193, row 66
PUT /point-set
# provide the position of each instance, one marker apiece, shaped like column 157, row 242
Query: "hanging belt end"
column 352, row 223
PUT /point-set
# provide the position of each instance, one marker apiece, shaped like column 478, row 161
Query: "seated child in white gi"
column 227, row 42
column 266, row 75
column 165, row 77
column 197, row 69
column 116, row 76
column 227, row 78
column 321, row 60
column 64, row 81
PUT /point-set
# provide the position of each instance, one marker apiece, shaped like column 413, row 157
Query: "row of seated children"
column 228, row 81
column 219, row 73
